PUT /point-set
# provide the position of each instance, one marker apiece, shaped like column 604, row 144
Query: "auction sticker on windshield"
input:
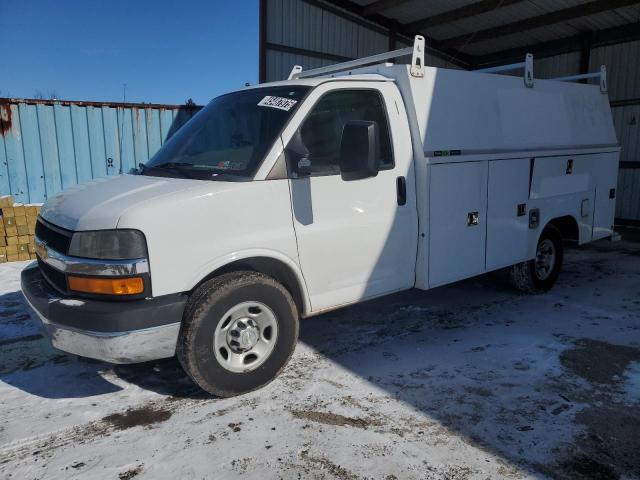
column 277, row 102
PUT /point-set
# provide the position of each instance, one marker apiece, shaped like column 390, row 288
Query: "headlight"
column 108, row 245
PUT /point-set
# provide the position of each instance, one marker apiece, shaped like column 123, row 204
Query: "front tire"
column 239, row 331
column 540, row 274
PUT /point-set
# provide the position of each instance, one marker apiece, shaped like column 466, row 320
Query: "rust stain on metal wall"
column 80, row 103
column 5, row 118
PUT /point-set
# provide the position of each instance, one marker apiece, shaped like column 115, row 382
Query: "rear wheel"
column 540, row 274
column 239, row 331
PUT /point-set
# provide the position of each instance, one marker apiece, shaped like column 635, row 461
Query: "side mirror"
column 359, row 150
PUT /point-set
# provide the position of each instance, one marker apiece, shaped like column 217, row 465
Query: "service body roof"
column 473, row 112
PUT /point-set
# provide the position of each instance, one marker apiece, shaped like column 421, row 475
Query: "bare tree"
column 50, row 95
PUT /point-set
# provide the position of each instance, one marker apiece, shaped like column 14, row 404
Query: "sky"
column 164, row 51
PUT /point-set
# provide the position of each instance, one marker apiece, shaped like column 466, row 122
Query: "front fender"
column 211, row 267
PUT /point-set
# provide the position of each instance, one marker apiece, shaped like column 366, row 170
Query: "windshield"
column 228, row 139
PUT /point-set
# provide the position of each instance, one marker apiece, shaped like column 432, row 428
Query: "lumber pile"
column 17, row 230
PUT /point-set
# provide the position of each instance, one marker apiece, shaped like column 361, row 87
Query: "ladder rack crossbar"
column 527, row 66
column 571, row 78
column 417, row 62
column 601, row 76
column 338, row 67
column 417, row 68
column 502, row 68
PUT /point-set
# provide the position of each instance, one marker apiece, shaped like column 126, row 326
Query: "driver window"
column 316, row 145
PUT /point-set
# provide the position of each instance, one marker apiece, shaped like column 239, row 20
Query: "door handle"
column 401, row 190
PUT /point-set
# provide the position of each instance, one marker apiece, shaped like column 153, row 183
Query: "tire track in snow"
column 146, row 414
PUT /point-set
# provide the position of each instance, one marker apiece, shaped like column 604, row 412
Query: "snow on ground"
column 466, row 381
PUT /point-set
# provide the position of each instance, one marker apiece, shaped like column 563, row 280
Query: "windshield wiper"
column 172, row 166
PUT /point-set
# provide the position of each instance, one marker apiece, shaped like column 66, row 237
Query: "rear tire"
column 239, row 331
column 540, row 274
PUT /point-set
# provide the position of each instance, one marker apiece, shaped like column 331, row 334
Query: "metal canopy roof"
column 487, row 32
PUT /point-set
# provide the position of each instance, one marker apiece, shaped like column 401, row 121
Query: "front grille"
column 55, row 237
column 55, row 277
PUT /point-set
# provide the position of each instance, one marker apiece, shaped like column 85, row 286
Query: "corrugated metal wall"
column 560, row 65
column 47, row 146
column 623, row 69
column 627, row 121
column 293, row 38
column 312, row 35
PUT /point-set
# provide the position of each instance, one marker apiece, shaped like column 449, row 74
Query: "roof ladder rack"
column 527, row 65
column 602, row 75
column 417, row 62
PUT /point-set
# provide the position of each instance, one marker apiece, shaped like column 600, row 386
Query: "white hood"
column 98, row 204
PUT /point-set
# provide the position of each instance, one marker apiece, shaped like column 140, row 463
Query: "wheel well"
column 568, row 227
column 269, row 266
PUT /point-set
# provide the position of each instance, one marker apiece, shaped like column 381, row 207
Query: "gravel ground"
column 469, row 381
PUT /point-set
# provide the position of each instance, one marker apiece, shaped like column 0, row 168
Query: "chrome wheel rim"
column 545, row 259
column 245, row 337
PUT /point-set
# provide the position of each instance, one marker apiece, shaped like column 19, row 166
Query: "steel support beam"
column 624, row 33
column 393, row 36
column 461, row 13
column 585, row 55
column 307, row 53
column 551, row 18
column 339, row 7
column 262, row 41
column 380, row 6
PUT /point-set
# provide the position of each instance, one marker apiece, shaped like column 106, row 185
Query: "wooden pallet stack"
column 17, row 230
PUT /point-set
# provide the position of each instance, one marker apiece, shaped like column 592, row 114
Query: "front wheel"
column 239, row 331
column 540, row 274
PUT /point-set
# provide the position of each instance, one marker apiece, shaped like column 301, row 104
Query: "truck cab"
column 293, row 198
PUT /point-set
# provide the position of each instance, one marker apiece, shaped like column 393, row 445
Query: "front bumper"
column 112, row 331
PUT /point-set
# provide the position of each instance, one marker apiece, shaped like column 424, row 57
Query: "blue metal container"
column 48, row 145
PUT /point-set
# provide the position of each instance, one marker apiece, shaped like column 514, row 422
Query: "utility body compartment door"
column 508, row 230
column 565, row 185
column 605, row 168
column 457, row 221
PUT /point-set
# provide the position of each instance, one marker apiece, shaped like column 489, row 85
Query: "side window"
column 319, row 136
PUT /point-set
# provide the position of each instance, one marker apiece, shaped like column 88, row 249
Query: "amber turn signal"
column 106, row 286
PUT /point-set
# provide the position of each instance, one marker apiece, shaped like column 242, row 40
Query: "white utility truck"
column 292, row 198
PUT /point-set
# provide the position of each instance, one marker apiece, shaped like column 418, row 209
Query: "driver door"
column 356, row 239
